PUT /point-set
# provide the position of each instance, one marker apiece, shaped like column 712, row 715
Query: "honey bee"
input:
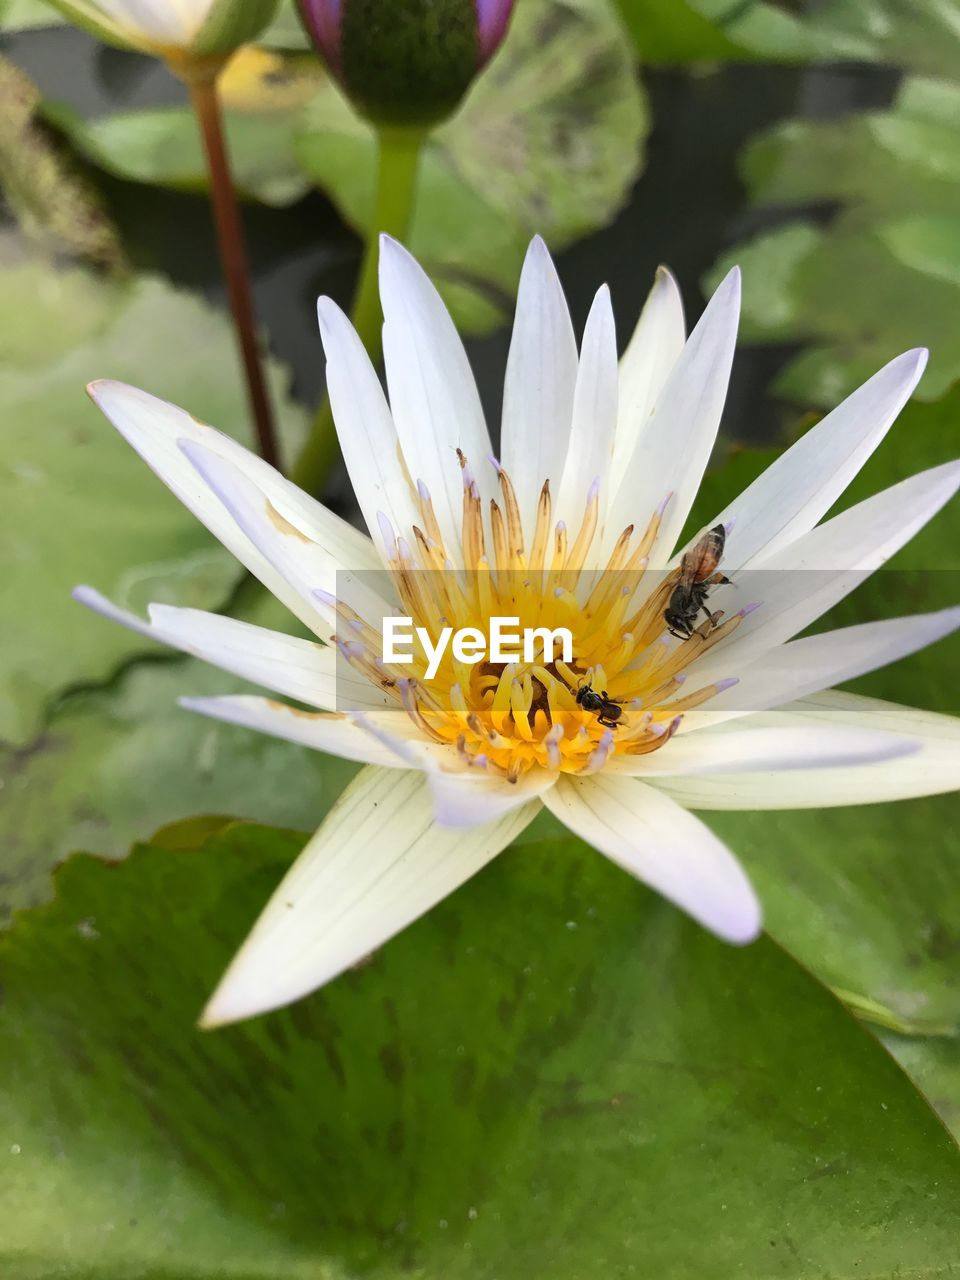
column 697, row 575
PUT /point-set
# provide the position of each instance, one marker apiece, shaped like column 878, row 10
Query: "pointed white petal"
column 797, row 490
column 594, row 416
column 284, row 664
column 539, row 385
column 813, row 663
column 336, row 734
column 742, row 750
column 653, row 351
column 153, row 427
column 472, row 797
column 931, row 770
column 674, row 446
column 377, row 863
column 654, row 839
column 368, row 438
column 291, row 550
column 807, row 577
column 435, row 403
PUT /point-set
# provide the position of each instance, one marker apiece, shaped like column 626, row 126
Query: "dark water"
column 687, row 206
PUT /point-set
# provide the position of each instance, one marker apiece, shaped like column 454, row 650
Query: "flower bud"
column 179, row 32
column 406, row 62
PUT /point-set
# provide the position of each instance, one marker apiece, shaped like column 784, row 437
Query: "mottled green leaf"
column 111, row 765
column 553, row 1074
column 883, row 273
column 78, row 504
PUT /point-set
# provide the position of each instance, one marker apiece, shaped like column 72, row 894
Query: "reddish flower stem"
column 233, row 257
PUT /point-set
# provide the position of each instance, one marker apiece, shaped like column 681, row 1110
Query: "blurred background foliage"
column 818, row 144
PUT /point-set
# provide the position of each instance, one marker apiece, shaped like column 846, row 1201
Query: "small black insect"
column 697, row 575
column 608, row 709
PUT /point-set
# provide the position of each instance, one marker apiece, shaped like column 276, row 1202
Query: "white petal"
column 153, row 427
column 737, row 750
column 377, row 863
column 539, row 385
column 931, row 770
column 654, row 839
column 336, row 734
column 803, row 580
column 297, row 668
column 653, row 351
column 473, row 797
column 594, row 416
column 166, row 22
column 368, row 438
column 464, row 796
column 290, row 549
column 797, row 490
column 813, row 663
column 674, row 445
column 433, row 395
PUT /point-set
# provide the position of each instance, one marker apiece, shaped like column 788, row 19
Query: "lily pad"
column 552, row 1074
column 679, row 31
column 549, row 141
column 880, row 274
column 263, row 94
column 79, row 505
column 921, row 34
column 113, row 764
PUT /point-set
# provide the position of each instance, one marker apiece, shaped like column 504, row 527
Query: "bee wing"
column 702, row 560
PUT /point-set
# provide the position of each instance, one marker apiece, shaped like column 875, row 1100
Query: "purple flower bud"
column 406, row 62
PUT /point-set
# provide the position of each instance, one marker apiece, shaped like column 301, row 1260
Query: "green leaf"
column 263, row 96
column 549, row 140
column 552, row 1074
column 921, row 34
column 79, row 505
column 26, row 15
column 882, row 274
column 111, row 765
column 678, row 31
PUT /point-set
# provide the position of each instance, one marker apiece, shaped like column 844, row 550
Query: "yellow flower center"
column 508, row 717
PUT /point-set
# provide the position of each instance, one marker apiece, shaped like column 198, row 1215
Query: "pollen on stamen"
column 514, row 716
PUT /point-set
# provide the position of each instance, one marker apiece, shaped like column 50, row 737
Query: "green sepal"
column 232, row 23
column 409, row 62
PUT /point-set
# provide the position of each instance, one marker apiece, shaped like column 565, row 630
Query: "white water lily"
column 598, row 471
column 172, row 28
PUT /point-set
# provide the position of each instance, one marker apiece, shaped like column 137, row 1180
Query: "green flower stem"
column 398, row 158
column 233, row 255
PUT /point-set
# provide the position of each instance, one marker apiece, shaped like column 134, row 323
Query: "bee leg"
column 710, row 623
column 718, row 580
